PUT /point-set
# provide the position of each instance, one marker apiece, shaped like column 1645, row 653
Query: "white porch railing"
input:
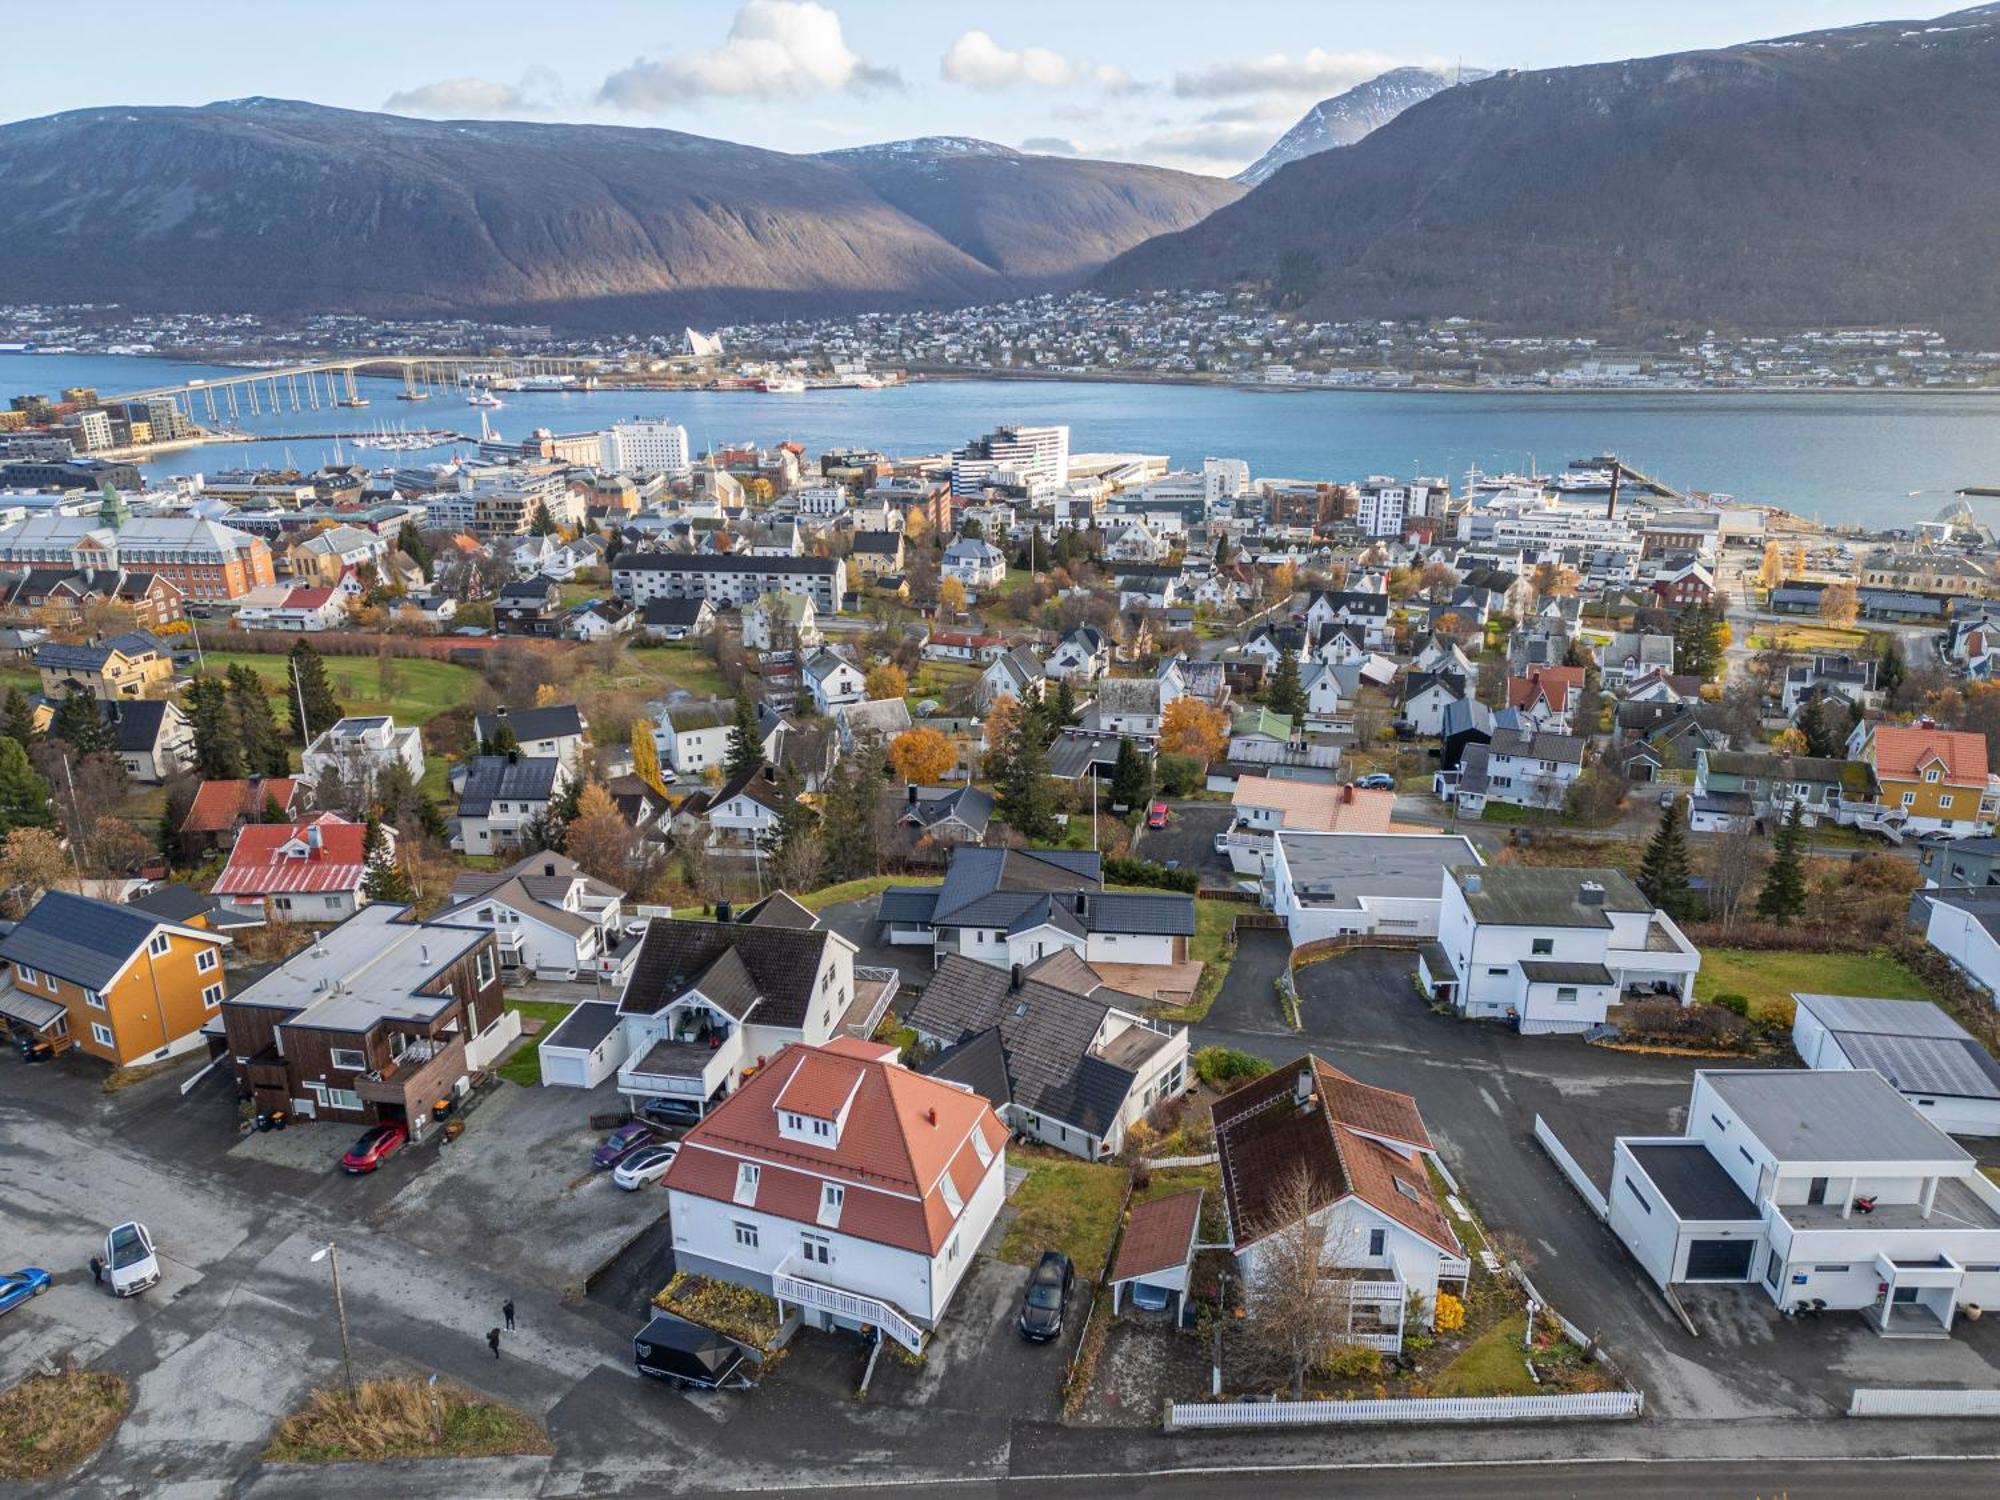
column 863, row 1309
column 1453, row 1268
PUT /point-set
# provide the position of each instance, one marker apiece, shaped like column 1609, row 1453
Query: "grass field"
column 1807, row 638
column 1067, row 1205
column 51, row 1423
column 1771, row 979
column 423, row 688
column 680, row 664
column 407, row 1418
column 524, row 1065
column 1493, row 1364
column 856, row 890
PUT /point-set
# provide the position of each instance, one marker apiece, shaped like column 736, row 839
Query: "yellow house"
column 114, row 981
column 123, row 667
column 1936, row 779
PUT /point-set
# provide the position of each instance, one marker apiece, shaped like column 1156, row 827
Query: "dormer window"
column 746, row 1183
column 949, row 1191
column 832, row 1198
column 1932, row 774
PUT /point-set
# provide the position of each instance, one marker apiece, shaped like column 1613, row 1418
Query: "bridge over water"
column 331, row 383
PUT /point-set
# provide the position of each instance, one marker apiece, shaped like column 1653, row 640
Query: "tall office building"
column 1036, row 457
column 639, row 447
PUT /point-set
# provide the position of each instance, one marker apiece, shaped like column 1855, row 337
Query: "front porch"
column 848, row 1309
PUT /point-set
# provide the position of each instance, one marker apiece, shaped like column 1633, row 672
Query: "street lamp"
column 332, row 1251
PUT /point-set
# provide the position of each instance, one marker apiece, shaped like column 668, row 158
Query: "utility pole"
column 332, row 1250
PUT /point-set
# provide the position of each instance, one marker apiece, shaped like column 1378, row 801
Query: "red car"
column 376, row 1147
column 1156, row 815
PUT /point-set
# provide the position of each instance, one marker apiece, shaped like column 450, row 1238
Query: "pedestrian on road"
column 96, row 1271
column 493, row 1341
column 507, row 1312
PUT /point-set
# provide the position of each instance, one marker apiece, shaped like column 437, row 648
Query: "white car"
column 130, row 1260
column 1222, row 843
column 644, row 1166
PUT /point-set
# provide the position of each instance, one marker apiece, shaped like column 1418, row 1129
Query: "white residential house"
column 1962, row 926
column 1520, row 767
column 1941, row 1068
column 1363, row 607
column 1019, row 675
column 360, row 749
column 975, row 562
column 694, row 736
column 549, row 918
column 503, row 799
column 844, row 1186
column 1552, row 949
column 1828, row 1189
column 1132, row 705
column 1426, row 695
column 743, row 816
column 1137, row 542
column 1325, row 705
column 1334, row 884
column 1080, row 657
column 781, row 622
column 558, row 731
column 833, row 681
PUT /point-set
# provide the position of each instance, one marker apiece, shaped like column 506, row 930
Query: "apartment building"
column 725, row 580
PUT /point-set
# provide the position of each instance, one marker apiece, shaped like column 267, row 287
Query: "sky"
column 1191, row 84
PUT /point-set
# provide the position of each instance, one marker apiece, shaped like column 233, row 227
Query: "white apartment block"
column 645, row 447
column 1036, row 457
column 639, row 577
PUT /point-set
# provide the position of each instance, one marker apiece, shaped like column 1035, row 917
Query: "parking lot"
column 1189, row 838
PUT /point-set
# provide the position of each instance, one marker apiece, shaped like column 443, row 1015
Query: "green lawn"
column 683, row 665
column 1066, row 1205
column 1494, row 1364
column 1771, row 979
column 1212, row 921
column 423, row 688
column 856, row 890
column 524, row 1065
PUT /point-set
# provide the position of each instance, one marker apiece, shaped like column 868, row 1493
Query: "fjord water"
column 1872, row 459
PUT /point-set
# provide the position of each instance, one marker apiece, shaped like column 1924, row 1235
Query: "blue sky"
column 1184, row 83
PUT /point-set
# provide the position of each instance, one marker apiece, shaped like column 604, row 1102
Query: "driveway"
column 1247, row 1003
column 855, row 921
column 1189, row 837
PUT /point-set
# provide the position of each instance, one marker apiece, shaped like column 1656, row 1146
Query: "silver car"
column 130, row 1259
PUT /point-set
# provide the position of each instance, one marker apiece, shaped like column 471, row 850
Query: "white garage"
column 587, row 1047
column 1934, row 1062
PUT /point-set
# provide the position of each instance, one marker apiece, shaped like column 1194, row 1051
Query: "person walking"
column 96, row 1271
column 493, row 1341
column 507, row 1312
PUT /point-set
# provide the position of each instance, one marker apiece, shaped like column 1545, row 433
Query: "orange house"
column 118, row 983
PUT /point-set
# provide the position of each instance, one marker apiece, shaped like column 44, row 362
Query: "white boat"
column 781, row 385
column 484, row 398
column 1583, row 479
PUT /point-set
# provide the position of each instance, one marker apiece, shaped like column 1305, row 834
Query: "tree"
column 1282, row 584
column 1889, row 676
column 599, row 839
column 543, row 524
column 1783, row 896
column 887, row 681
column 24, row 796
column 1131, row 777
column 17, row 718
column 33, row 860
column 1297, row 279
column 1771, row 572
column 388, row 673
column 746, row 746
column 1733, row 857
column 1003, row 716
column 951, row 596
column 1438, row 580
column 115, row 847
column 1025, row 799
column 263, row 746
column 1821, row 738
column 1285, row 696
column 218, row 745
column 416, row 549
column 1699, row 640
column 1222, row 549
column 1303, row 1305
column 1839, row 603
column 1193, row 728
column 922, row 756
column 1663, row 873
column 501, row 741
column 646, row 756
column 80, row 722
column 1063, row 711
column 384, row 878
column 848, row 806
column 309, row 692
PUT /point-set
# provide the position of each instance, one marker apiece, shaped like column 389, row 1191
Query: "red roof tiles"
column 260, row 866
column 218, row 805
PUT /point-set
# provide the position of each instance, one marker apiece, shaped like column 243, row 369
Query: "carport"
column 1155, row 1250
column 33, row 1020
column 587, row 1047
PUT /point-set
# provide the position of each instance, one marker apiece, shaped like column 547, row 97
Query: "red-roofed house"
column 297, row 872
column 844, row 1185
column 1930, row 780
column 1547, row 697
column 1363, row 1151
column 222, row 807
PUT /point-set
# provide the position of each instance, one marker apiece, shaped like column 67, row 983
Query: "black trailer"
column 685, row 1354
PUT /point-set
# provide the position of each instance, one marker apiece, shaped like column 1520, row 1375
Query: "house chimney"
column 910, row 793
column 314, row 839
column 930, row 1115
column 1590, row 893
column 1014, row 981
column 513, row 757
column 1302, row 1087
column 1347, row 793
column 549, row 867
column 1083, row 903
column 500, row 712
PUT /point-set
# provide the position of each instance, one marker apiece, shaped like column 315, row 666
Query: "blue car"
column 17, row 1287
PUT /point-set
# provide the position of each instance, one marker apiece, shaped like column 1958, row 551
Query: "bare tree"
column 1734, row 858
column 1300, row 1299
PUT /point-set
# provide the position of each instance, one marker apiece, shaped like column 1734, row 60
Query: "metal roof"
column 1529, row 896
column 1536, row 972
column 1833, row 1117
column 584, row 1027
column 1882, row 1017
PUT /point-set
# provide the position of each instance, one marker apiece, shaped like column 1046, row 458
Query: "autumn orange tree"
column 951, row 596
column 1192, row 727
column 887, row 681
column 922, row 755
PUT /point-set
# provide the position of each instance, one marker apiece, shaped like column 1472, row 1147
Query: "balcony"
column 425, row 1072
column 855, row 1306
column 684, row 1068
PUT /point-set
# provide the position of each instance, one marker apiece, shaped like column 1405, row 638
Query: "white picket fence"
column 1924, row 1403
column 1185, row 1415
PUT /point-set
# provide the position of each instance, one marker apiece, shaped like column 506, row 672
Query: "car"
column 1172, row 864
column 17, row 1287
column 1046, row 1302
column 130, row 1259
column 622, row 1142
column 1222, row 843
column 1379, row 781
column 1156, row 815
column 1669, row 797
column 671, row 1112
column 376, row 1146
column 647, row 1164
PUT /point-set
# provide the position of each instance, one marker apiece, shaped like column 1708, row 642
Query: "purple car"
column 622, row 1142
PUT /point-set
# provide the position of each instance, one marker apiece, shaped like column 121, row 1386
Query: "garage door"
column 565, row 1069
column 1719, row 1260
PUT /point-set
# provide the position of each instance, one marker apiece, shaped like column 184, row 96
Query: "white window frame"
column 94, row 1000
column 360, row 1056
column 102, row 1034
column 211, row 997
column 28, row 976
column 205, row 960
column 746, row 1234
column 483, row 966
column 158, row 944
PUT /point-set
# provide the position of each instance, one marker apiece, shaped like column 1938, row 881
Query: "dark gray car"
column 1047, row 1301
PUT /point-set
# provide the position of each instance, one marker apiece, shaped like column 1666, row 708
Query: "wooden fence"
column 1183, row 1415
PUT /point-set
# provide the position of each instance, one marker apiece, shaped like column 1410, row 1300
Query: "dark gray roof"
column 1693, row 1182
column 1926, row 1065
column 1537, row 972
column 173, row 903
column 1465, row 716
column 907, row 904
column 976, row 873
column 967, row 804
column 1538, row 745
column 501, row 778
column 76, row 938
column 1832, row 1117
column 554, row 722
column 674, row 611
column 779, row 964
column 1073, row 755
column 1531, row 896
column 880, row 543
column 1882, row 1017
column 586, row 1026
column 980, row 1063
column 778, row 910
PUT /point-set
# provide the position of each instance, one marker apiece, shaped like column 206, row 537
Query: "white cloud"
column 1049, row 145
column 774, row 48
column 1315, row 72
column 979, row 62
column 537, row 93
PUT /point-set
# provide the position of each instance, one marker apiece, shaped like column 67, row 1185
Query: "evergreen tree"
column 1285, row 695
column 308, row 691
column 501, row 741
column 17, row 718
column 544, row 524
column 746, row 747
column 430, row 818
column 1222, row 549
column 80, row 722
column 218, row 749
column 1065, row 713
column 1025, row 800
column 385, row 879
column 1821, row 738
column 273, row 811
column 24, row 796
column 415, row 549
column 264, row 752
column 1784, row 894
column 1889, row 675
column 1663, row 874
column 848, row 808
column 1698, row 641
column 1131, row 778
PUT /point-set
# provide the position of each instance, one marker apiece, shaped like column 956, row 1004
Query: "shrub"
column 1352, row 1363
column 1220, row 1067
column 1703, row 1026
column 1145, row 872
column 1734, row 1003
column 1180, row 775
column 1450, row 1313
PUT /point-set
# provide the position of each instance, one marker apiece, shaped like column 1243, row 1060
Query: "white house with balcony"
column 844, row 1186
column 360, row 749
column 1552, row 949
column 975, row 562
column 548, row 918
column 1825, row 1188
column 1364, row 1152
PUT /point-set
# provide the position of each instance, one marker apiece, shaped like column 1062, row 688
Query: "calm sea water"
column 1877, row 460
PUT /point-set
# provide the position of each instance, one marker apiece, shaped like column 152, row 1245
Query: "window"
column 949, row 1191
column 1944, row 802
column 102, row 1033
column 1566, row 994
column 212, row 996
column 816, row 1248
column 483, row 966
column 1406, row 1190
column 1909, row 799
column 1377, row 1240
column 1932, row 774
column 350, row 1059
column 1638, row 1197
column 205, row 960
column 28, row 975
column 1840, row 1270
column 831, row 1196
column 1744, row 1152
column 343, row 1099
column 159, row 944
column 746, row 1182
column 94, row 1000
column 1543, row 947
column 1497, row 973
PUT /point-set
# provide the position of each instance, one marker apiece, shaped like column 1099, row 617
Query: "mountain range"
column 1346, row 118
column 268, row 205
column 1836, row 177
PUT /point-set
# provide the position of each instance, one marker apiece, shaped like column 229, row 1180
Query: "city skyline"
column 794, row 75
